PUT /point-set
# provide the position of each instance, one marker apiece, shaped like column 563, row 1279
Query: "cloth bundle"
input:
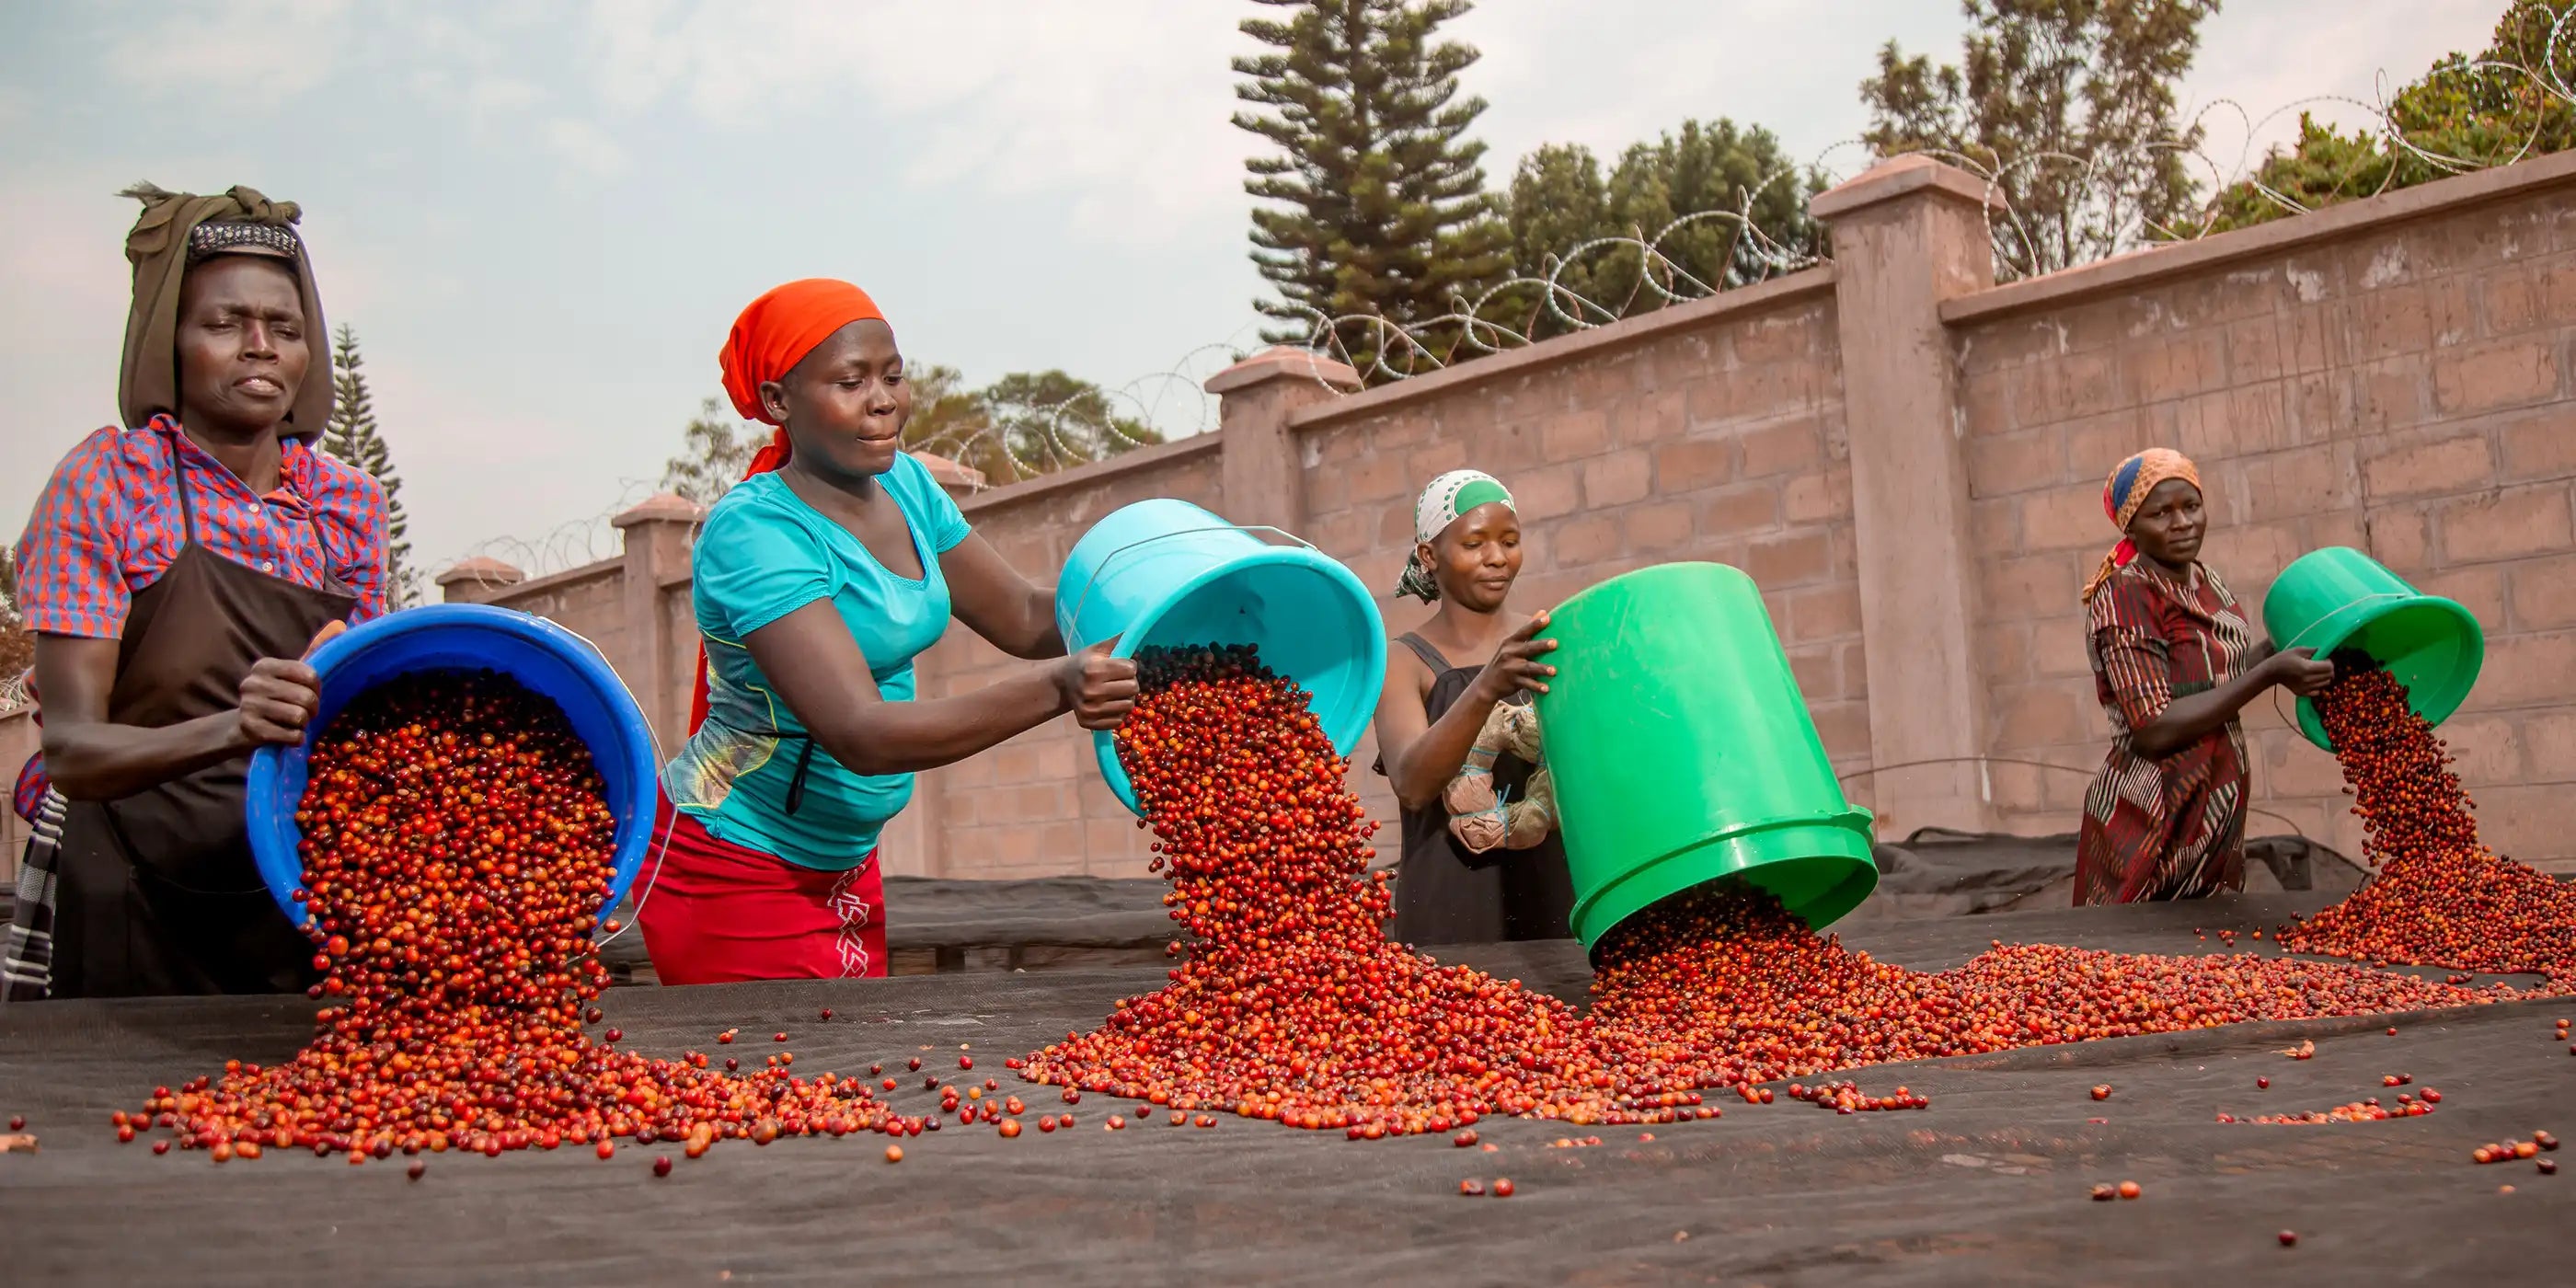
column 1479, row 815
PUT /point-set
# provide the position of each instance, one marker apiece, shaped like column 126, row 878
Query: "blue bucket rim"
column 1104, row 741
column 267, row 816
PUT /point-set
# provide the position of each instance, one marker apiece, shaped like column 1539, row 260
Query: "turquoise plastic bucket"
column 1168, row 573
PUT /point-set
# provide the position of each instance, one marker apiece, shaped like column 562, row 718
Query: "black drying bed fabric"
column 1047, row 922
column 1989, row 1185
column 1072, row 912
column 939, row 924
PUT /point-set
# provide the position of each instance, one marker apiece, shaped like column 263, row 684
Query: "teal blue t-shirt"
column 763, row 554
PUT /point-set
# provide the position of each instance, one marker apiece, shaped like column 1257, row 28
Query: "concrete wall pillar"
column 657, row 536
column 477, row 579
column 1264, row 476
column 1908, row 234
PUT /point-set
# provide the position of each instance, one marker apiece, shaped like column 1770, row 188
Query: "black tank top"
column 1445, row 895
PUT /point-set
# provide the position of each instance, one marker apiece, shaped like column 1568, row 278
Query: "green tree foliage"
column 1381, row 209
column 1052, row 421
column 714, row 450
column 950, row 419
column 1560, row 201
column 1020, row 426
column 2068, row 106
column 353, row 436
column 2467, row 113
column 17, row 644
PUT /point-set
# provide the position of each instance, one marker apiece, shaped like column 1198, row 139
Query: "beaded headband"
column 241, row 238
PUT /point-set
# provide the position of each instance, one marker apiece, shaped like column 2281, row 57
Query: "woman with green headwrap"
column 1455, row 737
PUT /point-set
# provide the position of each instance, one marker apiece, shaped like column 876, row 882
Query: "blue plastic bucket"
column 1168, row 573
column 548, row 659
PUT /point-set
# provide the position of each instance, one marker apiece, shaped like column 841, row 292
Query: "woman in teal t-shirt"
column 818, row 580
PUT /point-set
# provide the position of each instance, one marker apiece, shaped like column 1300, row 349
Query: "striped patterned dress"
column 2169, row 828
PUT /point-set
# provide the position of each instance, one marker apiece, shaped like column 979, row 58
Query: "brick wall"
column 2397, row 374
column 2401, row 385
column 1709, row 432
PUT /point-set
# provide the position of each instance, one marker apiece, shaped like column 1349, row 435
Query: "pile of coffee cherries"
column 1721, row 986
column 2357, row 1111
column 2437, row 897
column 1292, row 1004
column 456, row 849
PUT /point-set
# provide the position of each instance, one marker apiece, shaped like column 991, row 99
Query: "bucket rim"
column 1129, row 640
column 1302, row 555
column 2368, row 611
column 1650, row 570
column 1854, row 822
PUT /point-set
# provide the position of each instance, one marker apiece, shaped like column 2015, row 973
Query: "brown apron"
column 157, row 891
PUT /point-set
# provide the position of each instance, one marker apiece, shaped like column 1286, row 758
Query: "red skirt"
column 717, row 913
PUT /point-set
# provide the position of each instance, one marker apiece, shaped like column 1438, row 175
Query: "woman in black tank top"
column 1441, row 685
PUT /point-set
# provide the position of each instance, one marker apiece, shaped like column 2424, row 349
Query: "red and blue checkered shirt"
column 109, row 525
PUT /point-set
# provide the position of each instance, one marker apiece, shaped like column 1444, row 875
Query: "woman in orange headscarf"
column 818, row 580
column 2174, row 663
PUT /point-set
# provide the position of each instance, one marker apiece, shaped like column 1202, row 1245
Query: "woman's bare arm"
column 822, row 675
column 996, row 602
column 89, row 757
column 1422, row 754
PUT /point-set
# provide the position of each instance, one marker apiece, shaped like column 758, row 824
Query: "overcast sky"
column 541, row 218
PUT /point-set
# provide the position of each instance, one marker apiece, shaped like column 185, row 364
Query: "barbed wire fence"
column 1038, row 439
column 1103, row 421
column 1528, row 307
column 571, row 544
column 1505, row 315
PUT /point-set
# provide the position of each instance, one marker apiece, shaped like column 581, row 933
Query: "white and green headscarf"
column 1449, row 496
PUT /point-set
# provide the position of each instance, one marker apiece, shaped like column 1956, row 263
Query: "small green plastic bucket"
column 2339, row 598
column 1683, row 753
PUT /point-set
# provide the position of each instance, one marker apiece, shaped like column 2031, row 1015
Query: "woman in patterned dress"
column 2174, row 663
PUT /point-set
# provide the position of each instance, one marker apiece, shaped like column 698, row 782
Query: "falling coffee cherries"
column 2438, row 897
column 456, row 850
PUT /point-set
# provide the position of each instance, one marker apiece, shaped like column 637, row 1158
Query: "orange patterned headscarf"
column 771, row 336
column 2124, row 492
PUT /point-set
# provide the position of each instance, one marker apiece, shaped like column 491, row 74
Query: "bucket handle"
column 2322, row 617
column 2303, row 634
column 1112, row 557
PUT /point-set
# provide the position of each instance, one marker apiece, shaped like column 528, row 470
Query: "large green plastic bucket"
column 1683, row 753
column 2338, row 598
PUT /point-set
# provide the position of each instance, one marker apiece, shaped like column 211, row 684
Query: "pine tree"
column 1382, row 209
column 352, row 436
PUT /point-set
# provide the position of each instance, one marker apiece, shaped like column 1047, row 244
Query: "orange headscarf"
column 772, row 335
column 2124, row 492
